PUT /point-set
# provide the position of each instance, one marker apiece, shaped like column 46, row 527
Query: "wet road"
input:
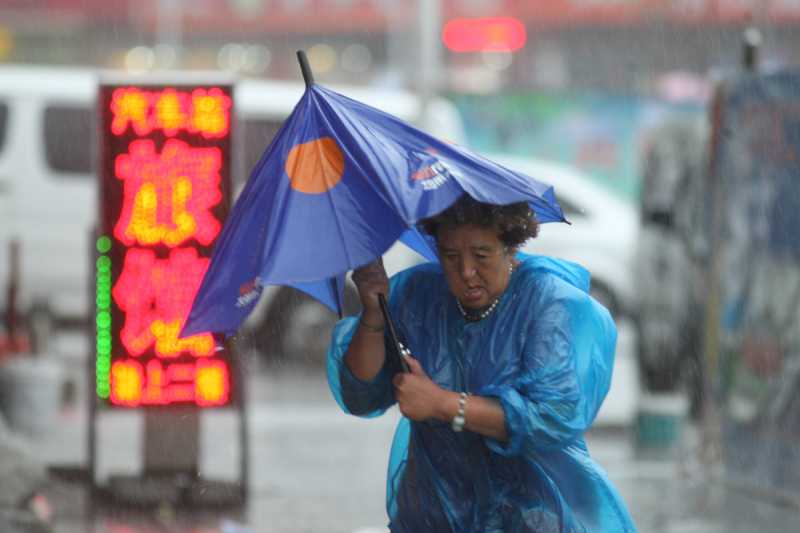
column 314, row 469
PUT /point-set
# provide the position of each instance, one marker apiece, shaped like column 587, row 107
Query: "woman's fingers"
column 403, row 380
column 416, row 394
column 370, row 272
column 371, row 280
column 414, row 365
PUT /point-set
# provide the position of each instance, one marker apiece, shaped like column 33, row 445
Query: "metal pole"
column 91, row 378
column 169, row 27
column 429, row 17
column 244, row 424
column 13, row 288
column 750, row 49
column 398, row 54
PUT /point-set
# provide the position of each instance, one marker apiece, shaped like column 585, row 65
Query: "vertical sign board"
column 164, row 193
column 753, row 317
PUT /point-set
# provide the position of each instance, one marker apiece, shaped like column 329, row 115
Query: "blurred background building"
column 571, row 80
column 549, row 44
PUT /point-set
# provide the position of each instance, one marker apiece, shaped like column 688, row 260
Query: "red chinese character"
column 156, row 296
column 168, row 197
column 130, row 106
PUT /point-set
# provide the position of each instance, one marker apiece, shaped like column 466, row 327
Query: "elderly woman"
column 511, row 359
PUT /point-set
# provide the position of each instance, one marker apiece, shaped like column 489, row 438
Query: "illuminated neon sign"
column 165, row 191
column 491, row 34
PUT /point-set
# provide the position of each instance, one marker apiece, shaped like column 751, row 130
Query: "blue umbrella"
column 339, row 184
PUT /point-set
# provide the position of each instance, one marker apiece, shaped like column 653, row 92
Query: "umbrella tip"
column 308, row 77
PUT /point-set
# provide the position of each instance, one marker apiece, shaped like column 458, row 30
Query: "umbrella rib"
column 381, row 191
column 335, row 212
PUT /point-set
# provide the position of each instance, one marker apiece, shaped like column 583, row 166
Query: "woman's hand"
column 418, row 397
column 371, row 280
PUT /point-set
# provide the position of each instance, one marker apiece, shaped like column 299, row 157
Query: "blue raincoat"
column 546, row 353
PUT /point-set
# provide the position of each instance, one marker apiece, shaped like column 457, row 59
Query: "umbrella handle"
column 399, row 348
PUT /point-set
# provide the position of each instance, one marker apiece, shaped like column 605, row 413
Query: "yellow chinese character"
column 130, row 106
column 210, row 112
column 170, row 114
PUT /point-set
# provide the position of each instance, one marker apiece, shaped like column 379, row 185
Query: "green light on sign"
column 103, row 244
column 103, row 264
column 103, row 318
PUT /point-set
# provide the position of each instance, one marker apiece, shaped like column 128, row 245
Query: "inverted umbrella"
column 338, row 185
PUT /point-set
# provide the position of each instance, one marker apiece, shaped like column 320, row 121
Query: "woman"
column 510, row 362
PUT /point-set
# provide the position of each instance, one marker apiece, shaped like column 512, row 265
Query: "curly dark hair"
column 515, row 223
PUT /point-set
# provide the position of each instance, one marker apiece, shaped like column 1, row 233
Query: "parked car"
column 670, row 254
column 602, row 234
column 48, row 147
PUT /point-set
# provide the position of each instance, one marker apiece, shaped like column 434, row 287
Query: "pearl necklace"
column 488, row 311
column 483, row 314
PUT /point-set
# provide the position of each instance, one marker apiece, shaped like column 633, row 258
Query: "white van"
column 48, row 153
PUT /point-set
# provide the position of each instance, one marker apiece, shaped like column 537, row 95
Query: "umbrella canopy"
column 339, row 184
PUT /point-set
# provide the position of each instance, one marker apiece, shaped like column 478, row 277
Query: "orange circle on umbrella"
column 315, row 166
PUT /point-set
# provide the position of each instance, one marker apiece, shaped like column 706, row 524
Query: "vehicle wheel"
column 606, row 298
column 658, row 368
column 297, row 328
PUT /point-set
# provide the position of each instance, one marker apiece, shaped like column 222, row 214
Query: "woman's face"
column 475, row 262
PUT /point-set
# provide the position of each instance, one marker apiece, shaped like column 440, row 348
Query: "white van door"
column 60, row 207
column 53, row 202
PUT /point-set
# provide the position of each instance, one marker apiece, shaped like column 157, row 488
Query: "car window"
column 69, row 134
column 3, row 124
column 256, row 136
